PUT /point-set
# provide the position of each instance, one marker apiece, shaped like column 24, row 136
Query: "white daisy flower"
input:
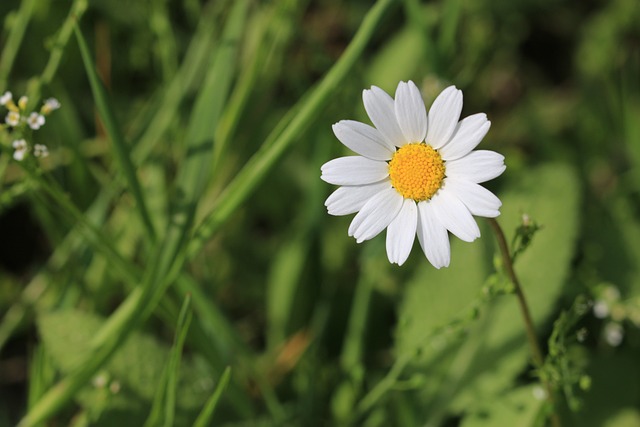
column 6, row 98
column 20, row 147
column 415, row 173
column 35, row 121
column 12, row 119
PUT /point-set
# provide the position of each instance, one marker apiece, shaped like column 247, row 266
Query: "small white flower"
column 13, row 118
column 40, row 150
column 22, row 102
column 601, row 309
column 20, row 147
column 35, row 121
column 415, row 173
column 99, row 381
column 50, row 105
column 613, row 334
column 539, row 393
column 582, row 334
column 6, row 98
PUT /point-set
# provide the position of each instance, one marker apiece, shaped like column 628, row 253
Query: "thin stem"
column 13, row 41
column 538, row 358
column 383, row 386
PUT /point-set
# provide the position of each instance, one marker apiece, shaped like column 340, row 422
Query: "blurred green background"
column 213, row 108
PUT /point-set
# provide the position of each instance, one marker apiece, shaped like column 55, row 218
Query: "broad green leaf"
column 468, row 360
column 516, row 408
column 434, row 298
column 627, row 417
column 549, row 195
column 137, row 365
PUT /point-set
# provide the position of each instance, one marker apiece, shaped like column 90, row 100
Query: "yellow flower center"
column 416, row 171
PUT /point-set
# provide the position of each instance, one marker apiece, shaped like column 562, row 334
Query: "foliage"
column 170, row 262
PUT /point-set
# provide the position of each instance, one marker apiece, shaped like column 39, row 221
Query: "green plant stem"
column 538, row 358
column 383, row 386
column 78, row 8
column 13, row 41
column 204, row 419
column 351, row 357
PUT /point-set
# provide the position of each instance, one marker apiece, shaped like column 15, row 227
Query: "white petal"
column 466, row 137
column 455, row 216
column 363, row 139
column 433, row 236
column 411, row 112
column 443, row 116
column 354, row 170
column 479, row 200
column 349, row 199
column 402, row 232
column 381, row 111
column 375, row 215
column 477, row 166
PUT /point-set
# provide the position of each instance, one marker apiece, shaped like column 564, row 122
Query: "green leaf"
column 12, row 43
column 137, row 365
column 209, row 106
column 168, row 259
column 204, row 419
column 469, row 360
column 434, row 298
column 165, row 395
column 286, row 132
column 105, row 109
column 550, row 195
column 517, row 408
column 173, row 369
column 436, row 311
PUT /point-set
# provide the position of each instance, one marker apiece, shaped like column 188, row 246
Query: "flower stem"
column 538, row 358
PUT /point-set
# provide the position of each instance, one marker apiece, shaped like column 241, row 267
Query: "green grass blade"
column 210, row 103
column 276, row 143
column 14, row 40
column 289, row 262
column 120, row 147
column 194, row 61
column 167, row 261
column 41, row 374
column 195, row 170
column 204, row 419
column 165, row 397
column 184, row 320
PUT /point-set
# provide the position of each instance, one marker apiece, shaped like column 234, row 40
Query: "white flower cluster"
column 616, row 312
column 21, row 121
